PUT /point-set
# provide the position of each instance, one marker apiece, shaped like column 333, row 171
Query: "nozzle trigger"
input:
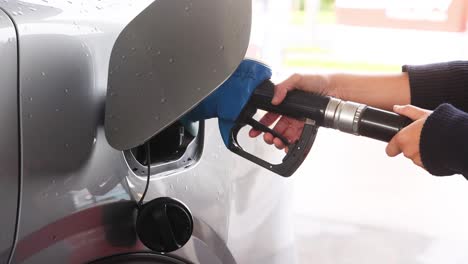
column 297, row 151
column 261, row 127
column 293, row 159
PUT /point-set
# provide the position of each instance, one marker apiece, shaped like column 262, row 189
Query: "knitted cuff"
column 444, row 142
column 434, row 84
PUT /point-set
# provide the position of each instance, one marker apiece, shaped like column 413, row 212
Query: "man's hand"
column 288, row 127
column 407, row 140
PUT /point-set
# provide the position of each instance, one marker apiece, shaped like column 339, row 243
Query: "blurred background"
column 351, row 203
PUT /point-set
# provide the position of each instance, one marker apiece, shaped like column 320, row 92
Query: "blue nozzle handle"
column 227, row 102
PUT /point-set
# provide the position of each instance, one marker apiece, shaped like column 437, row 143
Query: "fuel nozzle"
column 249, row 89
column 349, row 117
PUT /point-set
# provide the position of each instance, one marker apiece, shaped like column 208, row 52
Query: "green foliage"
column 302, row 5
column 318, row 57
column 327, row 4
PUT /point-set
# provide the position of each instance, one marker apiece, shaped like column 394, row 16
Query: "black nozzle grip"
column 297, row 104
column 380, row 124
column 291, row 162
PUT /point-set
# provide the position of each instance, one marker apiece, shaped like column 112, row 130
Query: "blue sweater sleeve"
column 444, row 137
column 444, row 142
column 438, row 83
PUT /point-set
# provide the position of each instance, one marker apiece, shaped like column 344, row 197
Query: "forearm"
column 381, row 91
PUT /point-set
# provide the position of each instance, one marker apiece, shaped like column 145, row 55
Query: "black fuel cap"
column 164, row 225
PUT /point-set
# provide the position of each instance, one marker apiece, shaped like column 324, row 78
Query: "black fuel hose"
column 326, row 111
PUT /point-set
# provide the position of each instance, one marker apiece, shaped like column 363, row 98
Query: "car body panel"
column 78, row 193
column 9, row 134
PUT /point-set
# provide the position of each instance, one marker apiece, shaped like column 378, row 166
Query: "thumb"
column 410, row 111
column 283, row 88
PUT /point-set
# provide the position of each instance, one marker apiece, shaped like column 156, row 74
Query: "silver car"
column 67, row 195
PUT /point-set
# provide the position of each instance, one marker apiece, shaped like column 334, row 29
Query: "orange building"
column 441, row 15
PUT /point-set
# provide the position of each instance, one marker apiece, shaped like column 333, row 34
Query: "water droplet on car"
column 30, row 98
column 187, row 9
column 171, row 60
column 57, row 110
column 123, row 57
column 133, row 49
column 172, row 186
column 137, row 74
column 221, row 47
column 186, row 188
column 43, row 73
column 163, row 100
column 30, row 115
column 66, row 91
column 54, row 237
column 198, row 89
column 156, row 117
column 32, row 9
column 67, row 145
column 94, row 141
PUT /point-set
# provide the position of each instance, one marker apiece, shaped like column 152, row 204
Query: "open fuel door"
column 167, row 60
